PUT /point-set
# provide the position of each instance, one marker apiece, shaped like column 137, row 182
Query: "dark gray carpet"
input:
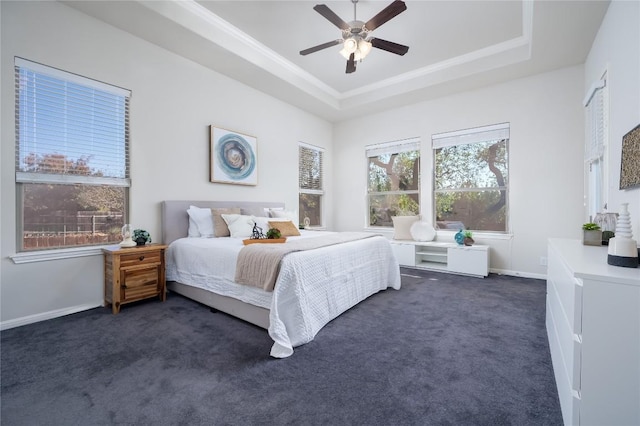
column 444, row 350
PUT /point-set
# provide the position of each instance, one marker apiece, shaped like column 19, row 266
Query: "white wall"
column 616, row 49
column 173, row 103
column 545, row 159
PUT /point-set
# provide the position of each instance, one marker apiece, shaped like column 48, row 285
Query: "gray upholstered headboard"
column 175, row 220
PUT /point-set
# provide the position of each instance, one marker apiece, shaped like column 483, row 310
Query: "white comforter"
column 313, row 287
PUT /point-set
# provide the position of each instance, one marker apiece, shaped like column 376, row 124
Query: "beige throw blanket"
column 258, row 264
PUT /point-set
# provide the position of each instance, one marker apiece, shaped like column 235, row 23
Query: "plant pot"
column 592, row 237
column 141, row 241
column 468, row 241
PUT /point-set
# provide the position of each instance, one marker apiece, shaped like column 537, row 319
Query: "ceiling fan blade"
column 386, row 14
column 351, row 64
column 320, row 47
column 389, row 46
column 324, row 10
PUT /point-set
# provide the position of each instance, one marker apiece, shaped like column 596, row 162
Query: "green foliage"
column 590, row 226
column 467, row 234
column 273, row 234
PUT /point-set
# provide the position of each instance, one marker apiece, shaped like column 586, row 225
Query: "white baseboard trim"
column 518, row 274
column 30, row 319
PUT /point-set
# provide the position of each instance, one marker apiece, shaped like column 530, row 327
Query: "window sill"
column 56, row 254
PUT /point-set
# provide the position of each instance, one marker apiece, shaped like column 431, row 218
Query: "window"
column 393, row 181
column 72, row 162
column 596, row 133
column 310, row 182
column 471, row 178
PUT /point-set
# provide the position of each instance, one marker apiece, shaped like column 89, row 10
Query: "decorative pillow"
column 286, row 228
column 240, row 226
column 422, row 231
column 203, row 222
column 220, row 228
column 292, row 215
column 402, row 226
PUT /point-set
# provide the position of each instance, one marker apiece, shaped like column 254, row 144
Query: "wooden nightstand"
column 133, row 273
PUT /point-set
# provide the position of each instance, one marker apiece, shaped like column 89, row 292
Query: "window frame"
column 483, row 134
column 320, row 191
column 24, row 178
column 391, row 148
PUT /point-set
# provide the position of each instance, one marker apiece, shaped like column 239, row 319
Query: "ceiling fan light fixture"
column 364, row 47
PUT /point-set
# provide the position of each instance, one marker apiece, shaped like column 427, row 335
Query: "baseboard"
column 518, row 274
column 30, row 319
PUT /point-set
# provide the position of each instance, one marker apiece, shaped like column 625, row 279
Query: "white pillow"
column 202, row 220
column 291, row 215
column 262, row 222
column 240, row 226
column 422, row 231
column 402, row 226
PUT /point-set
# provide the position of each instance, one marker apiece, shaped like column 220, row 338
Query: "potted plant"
column 468, row 238
column 273, row 234
column 591, row 234
column 141, row 237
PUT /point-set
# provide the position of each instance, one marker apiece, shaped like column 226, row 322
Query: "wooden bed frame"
column 175, row 224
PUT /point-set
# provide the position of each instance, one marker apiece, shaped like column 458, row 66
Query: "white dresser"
column 593, row 326
column 443, row 256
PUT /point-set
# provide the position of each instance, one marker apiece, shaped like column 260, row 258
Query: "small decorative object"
column 422, row 231
column 141, row 237
column 468, row 238
column 273, row 234
column 257, row 234
column 630, row 161
column 591, row 234
column 623, row 249
column 459, row 237
column 234, row 157
column 127, row 233
column 607, row 222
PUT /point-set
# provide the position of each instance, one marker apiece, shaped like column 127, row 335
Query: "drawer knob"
column 141, row 258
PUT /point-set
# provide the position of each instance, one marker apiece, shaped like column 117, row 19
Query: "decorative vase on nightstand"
column 127, row 233
column 623, row 249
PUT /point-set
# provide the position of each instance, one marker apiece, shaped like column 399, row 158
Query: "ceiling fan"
column 356, row 38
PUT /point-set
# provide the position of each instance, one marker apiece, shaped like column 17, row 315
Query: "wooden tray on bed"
column 264, row 240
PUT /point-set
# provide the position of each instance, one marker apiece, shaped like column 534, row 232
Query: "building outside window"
column 72, row 158
column 310, row 179
column 393, row 187
column 471, row 179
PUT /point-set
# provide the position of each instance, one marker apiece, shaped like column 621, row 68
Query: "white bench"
column 443, row 256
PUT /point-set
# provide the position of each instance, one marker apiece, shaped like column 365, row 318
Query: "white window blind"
column 310, row 168
column 490, row 133
column 69, row 129
column 594, row 104
column 396, row 147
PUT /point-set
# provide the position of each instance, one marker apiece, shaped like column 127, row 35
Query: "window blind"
column 594, row 103
column 69, row 129
column 395, row 147
column 490, row 133
column 310, row 167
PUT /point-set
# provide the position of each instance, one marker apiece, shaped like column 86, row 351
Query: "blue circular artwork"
column 235, row 156
column 459, row 237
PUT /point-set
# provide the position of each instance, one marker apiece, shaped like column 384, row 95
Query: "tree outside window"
column 471, row 182
column 393, row 182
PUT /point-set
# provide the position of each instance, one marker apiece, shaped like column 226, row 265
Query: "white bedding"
column 313, row 287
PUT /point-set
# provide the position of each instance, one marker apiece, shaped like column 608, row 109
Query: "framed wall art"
column 630, row 161
column 233, row 157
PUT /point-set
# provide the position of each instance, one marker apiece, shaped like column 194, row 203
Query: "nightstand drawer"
column 143, row 258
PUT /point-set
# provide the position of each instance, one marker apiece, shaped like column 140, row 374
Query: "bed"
column 312, row 287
